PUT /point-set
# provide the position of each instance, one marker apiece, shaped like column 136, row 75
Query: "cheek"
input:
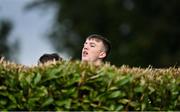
column 94, row 53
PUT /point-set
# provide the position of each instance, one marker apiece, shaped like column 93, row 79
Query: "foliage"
column 142, row 33
column 81, row 86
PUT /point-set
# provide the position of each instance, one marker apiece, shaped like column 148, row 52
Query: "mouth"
column 84, row 53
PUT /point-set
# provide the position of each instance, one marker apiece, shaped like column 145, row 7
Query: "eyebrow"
column 92, row 43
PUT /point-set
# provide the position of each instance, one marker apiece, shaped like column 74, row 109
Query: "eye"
column 92, row 45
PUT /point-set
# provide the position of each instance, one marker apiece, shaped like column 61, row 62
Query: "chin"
column 85, row 59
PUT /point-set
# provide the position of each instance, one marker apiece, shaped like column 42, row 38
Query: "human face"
column 93, row 50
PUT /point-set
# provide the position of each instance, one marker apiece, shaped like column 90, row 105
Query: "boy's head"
column 96, row 48
column 49, row 57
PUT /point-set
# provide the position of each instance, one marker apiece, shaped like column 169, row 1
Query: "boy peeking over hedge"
column 96, row 49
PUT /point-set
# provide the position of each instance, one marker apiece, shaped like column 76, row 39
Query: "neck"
column 98, row 62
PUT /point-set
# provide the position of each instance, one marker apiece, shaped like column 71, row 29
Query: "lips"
column 84, row 53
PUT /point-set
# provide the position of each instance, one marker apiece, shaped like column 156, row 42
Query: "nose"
column 85, row 47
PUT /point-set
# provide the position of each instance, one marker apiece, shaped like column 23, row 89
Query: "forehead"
column 94, row 40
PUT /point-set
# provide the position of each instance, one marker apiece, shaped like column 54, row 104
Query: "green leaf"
column 139, row 89
column 29, row 78
column 124, row 80
column 133, row 104
column 52, row 74
column 115, row 94
column 11, row 106
column 123, row 101
column 40, row 92
column 3, row 102
column 10, row 96
column 37, row 78
column 143, row 106
column 68, row 103
column 31, row 103
column 3, row 87
column 151, row 89
column 48, row 102
column 65, row 103
column 112, row 107
column 120, row 107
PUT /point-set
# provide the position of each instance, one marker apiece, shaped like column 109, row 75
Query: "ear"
column 102, row 55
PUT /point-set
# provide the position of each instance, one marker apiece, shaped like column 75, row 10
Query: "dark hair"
column 105, row 41
column 49, row 57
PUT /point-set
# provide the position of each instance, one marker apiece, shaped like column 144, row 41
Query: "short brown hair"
column 105, row 41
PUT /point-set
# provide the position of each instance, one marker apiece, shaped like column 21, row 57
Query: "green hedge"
column 80, row 86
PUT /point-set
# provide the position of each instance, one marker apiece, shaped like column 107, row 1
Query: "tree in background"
column 142, row 33
column 7, row 50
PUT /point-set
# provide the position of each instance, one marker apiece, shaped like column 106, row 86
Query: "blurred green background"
column 142, row 33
